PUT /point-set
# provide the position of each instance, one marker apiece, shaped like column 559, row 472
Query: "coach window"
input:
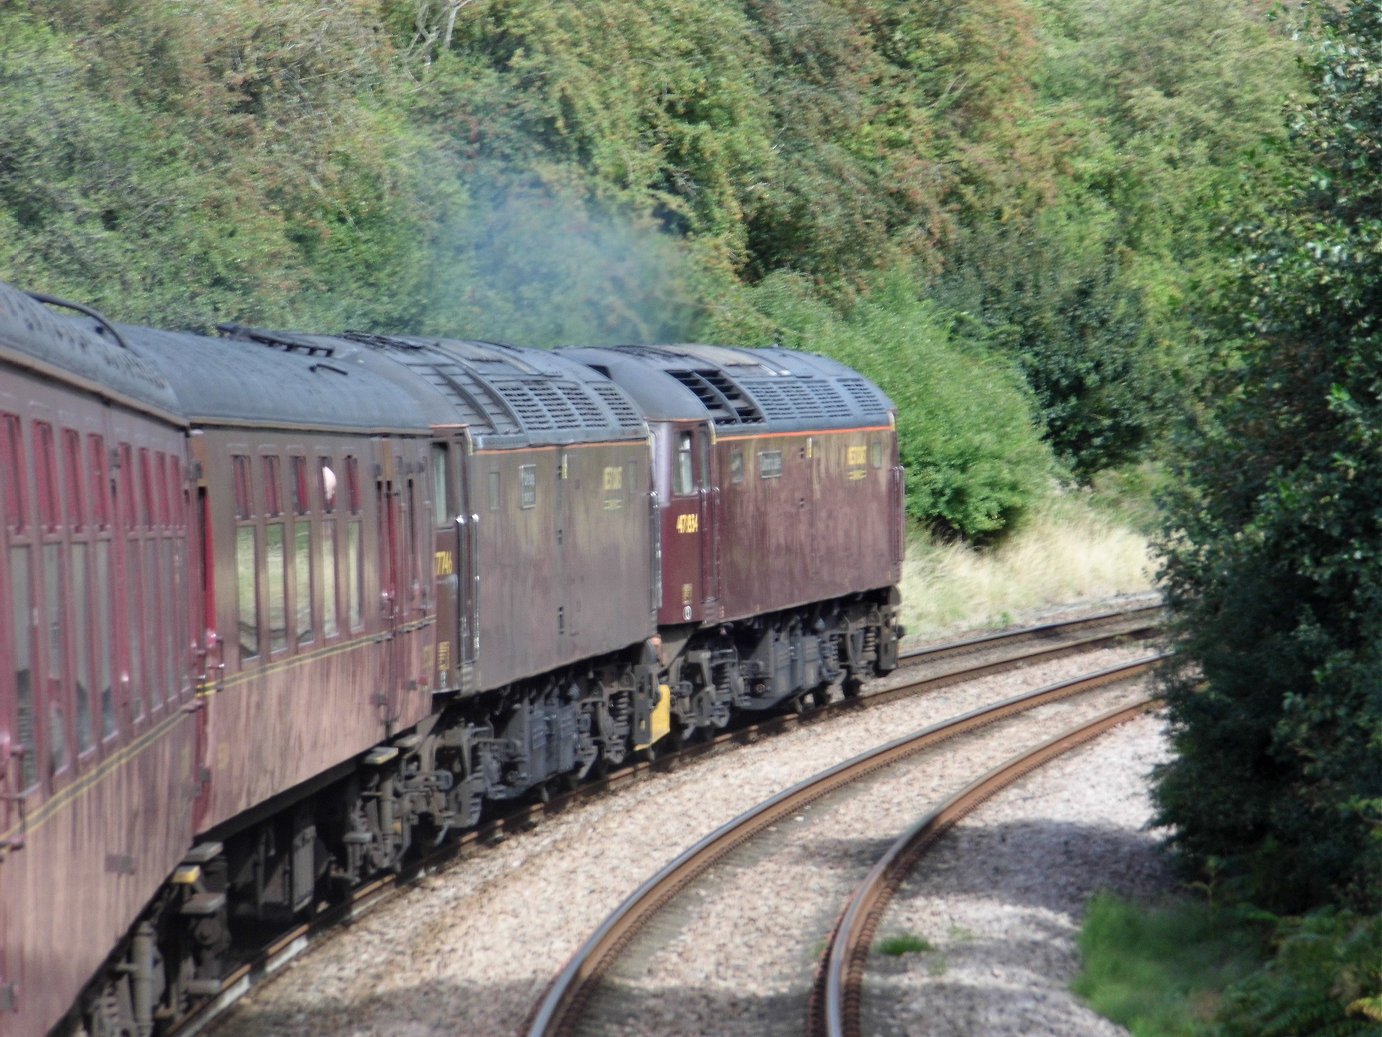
column 53, row 709
column 175, row 553
column 330, row 596
column 275, row 557
column 133, row 582
column 246, row 560
column 80, row 599
column 355, row 577
column 103, row 579
column 156, row 606
column 302, row 551
column 12, row 493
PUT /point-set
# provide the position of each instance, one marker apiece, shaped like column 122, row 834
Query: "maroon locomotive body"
column 780, row 492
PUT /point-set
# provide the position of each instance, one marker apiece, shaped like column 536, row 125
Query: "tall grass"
column 1066, row 551
column 1161, row 972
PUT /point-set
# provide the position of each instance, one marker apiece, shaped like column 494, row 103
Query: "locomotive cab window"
column 442, row 514
column 684, row 474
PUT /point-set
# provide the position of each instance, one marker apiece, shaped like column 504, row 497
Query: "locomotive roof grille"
column 541, row 405
column 865, row 396
column 726, row 402
column 625, row 413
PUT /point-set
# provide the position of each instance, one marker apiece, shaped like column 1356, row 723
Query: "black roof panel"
column 239, row 382
column 772, row 390
column 85, row 348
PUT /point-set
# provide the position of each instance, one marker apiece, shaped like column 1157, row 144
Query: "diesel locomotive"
column 275, row 607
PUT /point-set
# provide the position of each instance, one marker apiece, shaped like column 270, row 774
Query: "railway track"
column 921, row 670
column 582, row 999
column 834, row 1008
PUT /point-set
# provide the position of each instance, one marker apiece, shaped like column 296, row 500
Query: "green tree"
column 1274, row 555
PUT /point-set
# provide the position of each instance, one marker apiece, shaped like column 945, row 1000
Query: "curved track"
column 834, row 1009
column 561, row 1010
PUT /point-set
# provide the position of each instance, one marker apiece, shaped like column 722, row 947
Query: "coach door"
column 389, row 507
column 452, row 566
column 405, row 588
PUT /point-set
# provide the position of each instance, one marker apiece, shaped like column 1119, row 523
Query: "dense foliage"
column 1275, row 565
column 1044, row 174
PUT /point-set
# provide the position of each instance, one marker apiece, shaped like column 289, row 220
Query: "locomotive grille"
column 539, row 405
column 865, row 396
column 587, row 408
column 624, row 413
column 726, row 402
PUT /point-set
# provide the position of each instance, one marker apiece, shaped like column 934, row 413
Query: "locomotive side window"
column 736, row 465
column 246, row 561
column 527, row 486
column 770, row 464
column 876, row 450
column 683, row 476
column 441, row 510
column 495, row 497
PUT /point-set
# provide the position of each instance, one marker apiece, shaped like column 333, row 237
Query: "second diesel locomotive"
column 279, row 605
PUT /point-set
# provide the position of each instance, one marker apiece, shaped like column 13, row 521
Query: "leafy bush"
column 1324, row 979
column 1273, row 563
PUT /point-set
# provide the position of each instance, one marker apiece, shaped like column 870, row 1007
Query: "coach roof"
column 86, row 350
column 242, row 383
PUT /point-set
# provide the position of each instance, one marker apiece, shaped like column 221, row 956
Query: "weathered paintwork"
column 793, row 491
column 88, row 843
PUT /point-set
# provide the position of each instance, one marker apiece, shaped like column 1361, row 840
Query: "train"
column 278, row 608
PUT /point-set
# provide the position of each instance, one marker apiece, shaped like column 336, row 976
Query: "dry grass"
column 1068, row 553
